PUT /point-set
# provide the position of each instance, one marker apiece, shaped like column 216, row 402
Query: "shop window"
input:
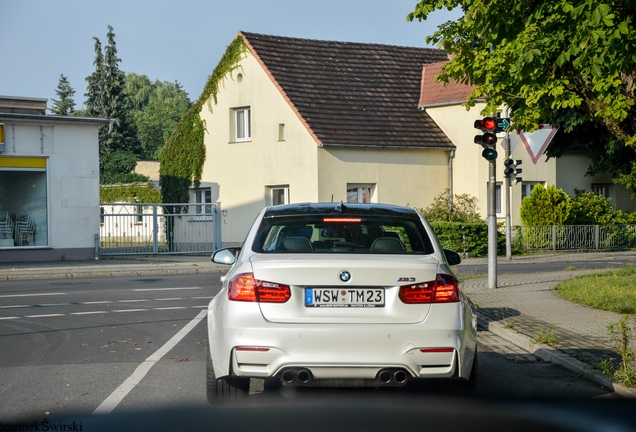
column 23, row 202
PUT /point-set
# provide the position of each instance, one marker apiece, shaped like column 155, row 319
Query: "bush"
column 463, row 208
column 468, row 239
column 545, row 206
column 590, row 208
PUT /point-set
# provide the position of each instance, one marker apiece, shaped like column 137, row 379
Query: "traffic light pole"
column 508, row 204
column 492, row 225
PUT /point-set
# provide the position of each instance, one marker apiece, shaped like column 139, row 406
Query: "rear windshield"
column 342, row 234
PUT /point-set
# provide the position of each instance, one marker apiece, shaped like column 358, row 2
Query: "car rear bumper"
column 441, row 346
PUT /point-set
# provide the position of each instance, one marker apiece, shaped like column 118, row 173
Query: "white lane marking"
column 15, row 306
column 170, row 308
column 54, row 304
column 111, row 402
column 88, row 313
column 30, row 295
column 44, row 316
column 97, row 302
column 202, row 298
column 129, row 310
column 132, row 301
column 167, row 289
column 3, row 318
column 167, row 299
column 199, row 307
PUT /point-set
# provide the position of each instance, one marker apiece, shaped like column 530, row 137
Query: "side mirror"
column 452, row 258
column 226, row 255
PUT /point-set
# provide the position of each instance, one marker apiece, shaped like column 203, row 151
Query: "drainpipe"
column 451, row 156
column 111, row 122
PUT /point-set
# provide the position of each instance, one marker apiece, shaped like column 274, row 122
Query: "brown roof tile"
column 434, row 93
column 353, row 94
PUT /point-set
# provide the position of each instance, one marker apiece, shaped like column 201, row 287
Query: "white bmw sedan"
column 350, row 295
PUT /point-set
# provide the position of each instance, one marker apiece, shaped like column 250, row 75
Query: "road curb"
column 92, row 273
column 552, row 355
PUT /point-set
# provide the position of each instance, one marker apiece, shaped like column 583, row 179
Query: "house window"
column 602, row 189
column 203, row 197
column 281, row 132
column 242, row 124
column 23, row 202
column 360, row 193
column 526, row 188
column 278, row 195
column 498, row 200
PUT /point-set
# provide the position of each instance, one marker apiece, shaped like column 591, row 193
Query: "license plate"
column 344, row 297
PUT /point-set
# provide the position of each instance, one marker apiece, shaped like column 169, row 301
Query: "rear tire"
column 226, row 389
column 460, row 386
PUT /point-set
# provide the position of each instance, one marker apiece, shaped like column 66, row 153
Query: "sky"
column 177, row 40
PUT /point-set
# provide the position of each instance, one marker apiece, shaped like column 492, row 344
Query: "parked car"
column 339, row 295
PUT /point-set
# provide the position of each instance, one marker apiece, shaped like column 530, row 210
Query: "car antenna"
column 331, row 197
column 341, row 207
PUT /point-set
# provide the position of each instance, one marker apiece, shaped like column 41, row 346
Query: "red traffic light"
column 487, row 124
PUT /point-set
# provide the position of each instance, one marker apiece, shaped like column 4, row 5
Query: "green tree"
column 106, row 97
column 95, row 83
column 462, row 208
column 65, row 105
column 118, row 167
column 546, row 206
column 570, row 63
column 157, row 108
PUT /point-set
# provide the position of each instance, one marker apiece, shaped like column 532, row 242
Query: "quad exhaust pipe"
column 388, row 377
column 393, row 377
column 296, row 376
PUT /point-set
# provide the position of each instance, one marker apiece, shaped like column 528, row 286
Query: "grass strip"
column 613, row 290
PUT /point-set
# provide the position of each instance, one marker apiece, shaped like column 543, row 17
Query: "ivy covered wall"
column 183, row 155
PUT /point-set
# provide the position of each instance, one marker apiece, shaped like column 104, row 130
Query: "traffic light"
column 511, row 170
column 488, row 139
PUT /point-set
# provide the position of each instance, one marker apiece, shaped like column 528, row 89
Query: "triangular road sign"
column 536, row 142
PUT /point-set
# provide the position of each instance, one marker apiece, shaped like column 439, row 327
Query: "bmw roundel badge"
column 345, row 276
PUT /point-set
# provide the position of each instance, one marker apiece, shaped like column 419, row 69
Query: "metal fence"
column 150, row 228
column 576, row 237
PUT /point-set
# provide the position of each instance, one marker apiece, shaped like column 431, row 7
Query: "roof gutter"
column 353, row 146
column 56, row 118
column 444, row 104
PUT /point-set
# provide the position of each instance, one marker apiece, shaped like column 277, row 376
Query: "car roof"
column 339, row 209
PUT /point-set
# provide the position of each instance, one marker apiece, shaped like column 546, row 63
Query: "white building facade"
column 49, row 183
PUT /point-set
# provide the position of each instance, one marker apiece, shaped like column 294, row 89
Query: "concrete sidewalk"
column 523, row 305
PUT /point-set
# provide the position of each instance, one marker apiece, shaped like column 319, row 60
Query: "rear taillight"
column 269, row 292
column 444, row 289
column 244, row 287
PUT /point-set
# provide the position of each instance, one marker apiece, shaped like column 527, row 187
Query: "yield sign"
column 537, row 141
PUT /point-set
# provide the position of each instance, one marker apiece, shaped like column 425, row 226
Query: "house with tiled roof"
column 443, row 103
column 303, row 120
column 310, row 120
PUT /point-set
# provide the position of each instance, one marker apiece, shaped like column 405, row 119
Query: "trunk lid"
column 368, row 273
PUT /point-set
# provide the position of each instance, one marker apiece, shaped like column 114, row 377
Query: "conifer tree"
column 106, row 97
column 65, row 105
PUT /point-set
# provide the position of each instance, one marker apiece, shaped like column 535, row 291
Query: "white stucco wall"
column 71, row 150
column 401, row 177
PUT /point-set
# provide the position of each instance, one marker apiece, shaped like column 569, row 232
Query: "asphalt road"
column 129, row 344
